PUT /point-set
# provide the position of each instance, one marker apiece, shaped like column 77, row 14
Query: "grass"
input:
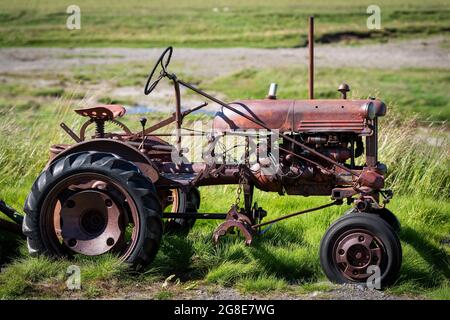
column 225, row 23
column 411, row 92
column 285, row 259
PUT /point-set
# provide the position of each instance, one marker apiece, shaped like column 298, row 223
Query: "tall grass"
column 24, row 147
column 418, row 158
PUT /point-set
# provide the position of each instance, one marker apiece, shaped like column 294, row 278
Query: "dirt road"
column 429, row 53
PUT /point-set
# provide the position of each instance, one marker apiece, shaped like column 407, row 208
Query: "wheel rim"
column 90, row 214
column 355, row 251
column 178, row 201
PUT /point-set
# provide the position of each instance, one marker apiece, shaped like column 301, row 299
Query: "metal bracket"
column 235, row 220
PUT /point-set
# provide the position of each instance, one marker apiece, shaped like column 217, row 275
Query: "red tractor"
column 109, row 192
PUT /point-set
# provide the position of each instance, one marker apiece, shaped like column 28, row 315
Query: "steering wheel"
column 162, row 62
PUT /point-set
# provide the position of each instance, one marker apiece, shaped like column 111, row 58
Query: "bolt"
column 108, row 203
column 110, row 241
column 72, row 242
column 341, row 252
column 361, row 238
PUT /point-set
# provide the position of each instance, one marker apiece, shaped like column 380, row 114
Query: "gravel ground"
column 214, row 292
column 429, row 53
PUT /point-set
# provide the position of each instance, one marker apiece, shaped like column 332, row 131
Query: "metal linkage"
column 296, row 214
column 235, row 219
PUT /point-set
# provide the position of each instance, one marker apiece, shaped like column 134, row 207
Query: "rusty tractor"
column 111, row 191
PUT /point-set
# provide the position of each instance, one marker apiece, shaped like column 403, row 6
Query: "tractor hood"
column 302, row 115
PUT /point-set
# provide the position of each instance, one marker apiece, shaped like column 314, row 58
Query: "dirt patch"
column 429, row 53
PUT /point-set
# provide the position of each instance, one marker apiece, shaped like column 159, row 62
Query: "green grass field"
column 225, row 23
column 422, row 93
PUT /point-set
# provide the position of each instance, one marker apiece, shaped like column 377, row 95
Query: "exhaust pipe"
column 272, row 91
column 311, row 58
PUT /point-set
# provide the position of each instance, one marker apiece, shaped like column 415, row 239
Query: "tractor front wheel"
column 359, row 247
column 92, row 203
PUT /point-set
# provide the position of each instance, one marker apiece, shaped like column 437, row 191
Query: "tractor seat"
column 102, row 112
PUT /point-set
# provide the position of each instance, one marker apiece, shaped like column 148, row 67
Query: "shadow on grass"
column 9, row 247
column 435, row 257
column 286, row 268
column 192, row 259
column 174, row 257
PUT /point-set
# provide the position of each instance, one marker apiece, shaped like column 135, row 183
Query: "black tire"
column 390, row 218
column 385, row 214
column 346, row 226
column 138, row 187
column 183, row 225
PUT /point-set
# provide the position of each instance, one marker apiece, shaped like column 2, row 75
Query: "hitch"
column 233, row 220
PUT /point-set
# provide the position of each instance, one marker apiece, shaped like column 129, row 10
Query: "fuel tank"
column 302, row 115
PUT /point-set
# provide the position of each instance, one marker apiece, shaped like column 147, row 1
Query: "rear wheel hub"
column 90, row 222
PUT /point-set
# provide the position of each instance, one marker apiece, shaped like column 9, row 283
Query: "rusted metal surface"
column 90, row 222
column 70, row 132
column 372, row 179
column 300, row 115
column 102, row 112
column 343, row 89
column 235, row 220
column 169, row 120
column 356, row 250
column 311, row 58
column 86, row 212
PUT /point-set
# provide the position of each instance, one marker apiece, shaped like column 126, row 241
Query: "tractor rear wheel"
column 92, row 203
column 356, row 246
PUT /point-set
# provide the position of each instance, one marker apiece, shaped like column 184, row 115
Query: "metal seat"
column 102, row 112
